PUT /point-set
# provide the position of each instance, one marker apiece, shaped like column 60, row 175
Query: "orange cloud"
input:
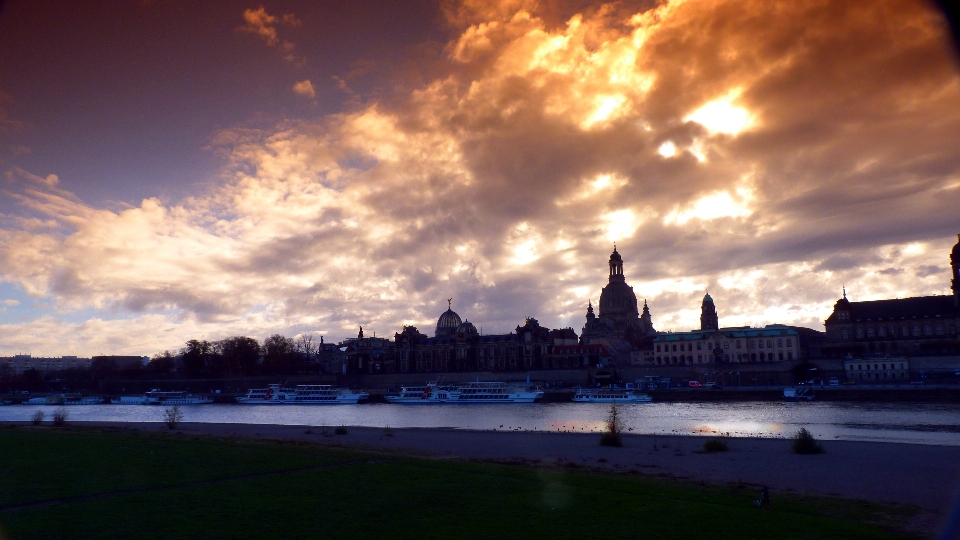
column 304, row 88
column 259, row 22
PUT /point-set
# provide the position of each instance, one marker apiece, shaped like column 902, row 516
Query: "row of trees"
column 240, row 355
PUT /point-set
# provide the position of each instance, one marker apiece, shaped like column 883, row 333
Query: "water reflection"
column 894, row 422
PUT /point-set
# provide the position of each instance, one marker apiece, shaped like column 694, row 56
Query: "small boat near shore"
column 605, row 395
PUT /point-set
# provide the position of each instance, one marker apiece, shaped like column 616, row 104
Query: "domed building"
column 619, row 315
column 466, row 330
column 448, row 323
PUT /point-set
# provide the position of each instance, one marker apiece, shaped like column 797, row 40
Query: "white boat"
column 320, row 394
column 64, row 399
column 271, row 395
column 156, row 397
column 432, row 392
column 77, row 399
column 304, row 394
column 603, row 395
column 129, row 400
column 467, row 393
column 497, row 392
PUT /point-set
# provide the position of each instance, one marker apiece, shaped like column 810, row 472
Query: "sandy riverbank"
column 927, row 476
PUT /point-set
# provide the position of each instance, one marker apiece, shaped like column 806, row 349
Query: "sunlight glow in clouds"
column 667, row 149
column 716, row 205
column 621, row 224
column 722, row 116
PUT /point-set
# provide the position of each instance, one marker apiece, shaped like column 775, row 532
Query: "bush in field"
column 612, row 437
column 715, row 445
column 340, row 430
column 172, row 417
column 37, row 418
column 804, row 443
column 60, row 416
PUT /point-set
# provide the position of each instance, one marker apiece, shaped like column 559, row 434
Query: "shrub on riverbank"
column 37, row 418
column 60, row 416
column 612, row 436
column 172, row 417
column 804, row 443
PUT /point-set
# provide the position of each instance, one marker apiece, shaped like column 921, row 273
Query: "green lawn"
column 100, row 484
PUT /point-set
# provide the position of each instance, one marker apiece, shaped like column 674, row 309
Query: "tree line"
column 240, row 355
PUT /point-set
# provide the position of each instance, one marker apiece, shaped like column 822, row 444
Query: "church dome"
column 955, row 254
column 707, row 299
column 618, row 299
column 466, row 329
column 448, row 323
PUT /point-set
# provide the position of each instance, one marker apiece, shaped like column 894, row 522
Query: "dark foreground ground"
column 231, row 481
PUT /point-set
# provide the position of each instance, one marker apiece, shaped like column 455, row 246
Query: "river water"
column 916, row 423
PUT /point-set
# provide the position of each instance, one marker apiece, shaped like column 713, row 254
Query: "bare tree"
column 306, row 345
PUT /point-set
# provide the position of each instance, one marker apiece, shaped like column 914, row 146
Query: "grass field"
column 86, row 483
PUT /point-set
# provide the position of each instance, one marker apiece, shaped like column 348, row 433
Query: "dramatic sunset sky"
column 175, row 170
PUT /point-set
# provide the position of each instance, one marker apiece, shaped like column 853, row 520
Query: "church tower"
column 709, row 320
column 955, row 269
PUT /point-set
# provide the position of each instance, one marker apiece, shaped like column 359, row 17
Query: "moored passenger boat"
column 604, row 395
column 466, row 393
column 273, row 394
column 175, row 398
column 497, row 392
column 77, row 399
column 65, row 399
column 304, row 394
column 432, row 392
column 324, row 394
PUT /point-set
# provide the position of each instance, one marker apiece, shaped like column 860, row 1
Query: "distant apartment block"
column 17, row 364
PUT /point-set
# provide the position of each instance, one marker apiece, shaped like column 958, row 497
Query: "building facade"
column 918, row 326
column 772, row 343
column 17, row 364
column 877, row 370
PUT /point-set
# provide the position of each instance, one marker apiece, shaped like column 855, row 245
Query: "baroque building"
column 734, row 345
column 918, row 326
column 619, row 316
column 457, row 346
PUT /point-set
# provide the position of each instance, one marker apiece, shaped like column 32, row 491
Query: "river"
column 916, row 423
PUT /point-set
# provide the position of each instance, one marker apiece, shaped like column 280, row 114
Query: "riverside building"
column 917, row 326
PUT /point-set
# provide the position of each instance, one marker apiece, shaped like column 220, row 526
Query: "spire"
column 844, row 291
column 449, row 303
